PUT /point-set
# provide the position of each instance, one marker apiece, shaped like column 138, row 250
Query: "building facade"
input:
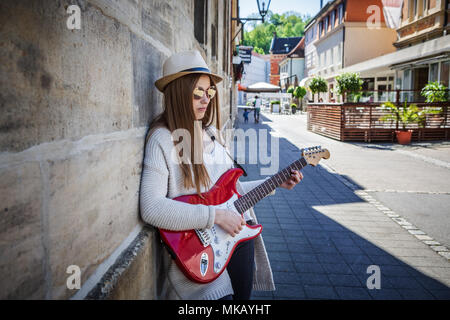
column 344, row 33
column 292, row 67
column 256, row 71
column 279, row 49
column 421, row 22
column 422, row 55
column 77, row 101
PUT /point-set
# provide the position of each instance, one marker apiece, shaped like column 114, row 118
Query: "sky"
column 310, row 7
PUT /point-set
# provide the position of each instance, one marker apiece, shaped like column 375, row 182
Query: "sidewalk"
column 323, row 235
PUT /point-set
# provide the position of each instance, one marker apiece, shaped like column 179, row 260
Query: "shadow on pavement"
column 313, row 256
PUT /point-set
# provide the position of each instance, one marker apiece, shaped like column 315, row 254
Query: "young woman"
column 190, row 98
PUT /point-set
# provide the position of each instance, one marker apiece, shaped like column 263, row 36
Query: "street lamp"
column 262, row 12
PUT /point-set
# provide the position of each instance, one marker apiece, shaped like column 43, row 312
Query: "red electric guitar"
column 203, row 254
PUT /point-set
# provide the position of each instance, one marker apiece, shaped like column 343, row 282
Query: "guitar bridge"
column 204, row 236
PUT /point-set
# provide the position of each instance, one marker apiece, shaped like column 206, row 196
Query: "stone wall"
column 75, row 107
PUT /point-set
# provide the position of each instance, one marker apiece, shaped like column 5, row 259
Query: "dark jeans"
column 241, row 269
column 256, row 115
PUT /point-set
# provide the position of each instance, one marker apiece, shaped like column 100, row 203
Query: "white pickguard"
column 221, row 241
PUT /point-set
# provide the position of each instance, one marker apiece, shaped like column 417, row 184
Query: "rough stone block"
column 22, row 253
column 147, row 63
column 93, row 206
column 59, row 83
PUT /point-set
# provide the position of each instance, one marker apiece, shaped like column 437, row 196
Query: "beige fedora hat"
column 183, row 63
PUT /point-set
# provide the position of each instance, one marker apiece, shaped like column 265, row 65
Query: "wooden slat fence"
column 360, row 122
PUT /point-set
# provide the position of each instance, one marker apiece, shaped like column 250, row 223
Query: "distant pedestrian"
column 257, row 108
column 246, row 112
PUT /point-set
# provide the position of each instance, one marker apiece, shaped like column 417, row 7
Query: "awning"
column 304, row 81
column 261, row 87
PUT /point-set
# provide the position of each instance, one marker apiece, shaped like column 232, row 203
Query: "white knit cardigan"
column 162, row 180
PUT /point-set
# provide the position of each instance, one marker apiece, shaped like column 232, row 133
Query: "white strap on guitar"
column 213, row 138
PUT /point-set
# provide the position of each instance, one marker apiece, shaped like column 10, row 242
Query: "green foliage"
column 258, row 50
column 404, row 115
column 435, row 92
column 290, row 90
column 407, row 114
column 275, row 102
column 349, row 83
column 299, row 92
column 317, row 85
column 293, row 105
column 289, row 24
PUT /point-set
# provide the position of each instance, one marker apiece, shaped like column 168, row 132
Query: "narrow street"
column 412, row 180
column 361, row 208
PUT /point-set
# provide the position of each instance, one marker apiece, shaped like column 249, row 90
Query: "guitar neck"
column 255, row 195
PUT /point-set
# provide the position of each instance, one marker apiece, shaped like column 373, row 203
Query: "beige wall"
column 75, row 109
column 362, row 43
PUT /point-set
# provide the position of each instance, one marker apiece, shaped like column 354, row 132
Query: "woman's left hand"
column 296, row 177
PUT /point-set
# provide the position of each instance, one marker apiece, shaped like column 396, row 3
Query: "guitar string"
column 255, row 195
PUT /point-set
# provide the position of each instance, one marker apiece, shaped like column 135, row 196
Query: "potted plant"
column 349, row 83
column 403, row 116
column 318, row 85
column 435, row 92
column 299, row 93
column 275, row 105
column 293, row 108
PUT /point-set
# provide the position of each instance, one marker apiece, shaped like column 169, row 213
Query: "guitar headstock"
column 314, row 154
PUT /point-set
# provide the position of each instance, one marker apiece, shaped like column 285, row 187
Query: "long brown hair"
column 179, row 113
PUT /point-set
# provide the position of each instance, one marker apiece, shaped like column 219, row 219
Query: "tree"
column 289, row 24
column 299, row 93
column 318, row 85
column 348, row 82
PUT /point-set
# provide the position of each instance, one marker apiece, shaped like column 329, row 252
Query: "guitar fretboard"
column 255, row 195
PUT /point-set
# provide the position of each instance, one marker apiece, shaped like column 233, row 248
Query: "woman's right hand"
column 230, row 221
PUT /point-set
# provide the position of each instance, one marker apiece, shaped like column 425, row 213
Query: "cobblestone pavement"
column 327, row 239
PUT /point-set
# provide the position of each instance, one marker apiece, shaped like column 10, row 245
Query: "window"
column 332, row 19
column 326, row 24
column 341, row 13
column 200, row 17
column 445, row 74
column 339, row 53
column 320, row 28
column 433, row 75
column 412, row 7
column 407, row 79
column 331, row 61
column 424, row 7
column 334, row 55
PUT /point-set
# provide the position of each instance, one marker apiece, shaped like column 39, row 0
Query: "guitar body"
column 203, row 255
